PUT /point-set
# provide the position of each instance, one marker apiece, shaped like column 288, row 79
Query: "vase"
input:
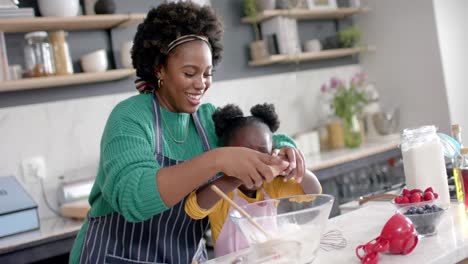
column 352, row 131
column 263, row 5
column 258, row 50
column 104, row 7
column 59, row 8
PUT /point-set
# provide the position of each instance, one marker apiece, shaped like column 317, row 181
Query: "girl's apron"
column 169, row 237
column 230, row 238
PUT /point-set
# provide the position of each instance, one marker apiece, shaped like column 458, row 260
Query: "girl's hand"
column 296, row 161
column 249, row 166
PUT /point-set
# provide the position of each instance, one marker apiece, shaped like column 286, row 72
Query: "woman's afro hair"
column 230, row 118
column 164, row 24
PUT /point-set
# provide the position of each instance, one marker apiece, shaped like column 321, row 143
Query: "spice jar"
column 335, row 133
column 38, row 55
column 62, row 58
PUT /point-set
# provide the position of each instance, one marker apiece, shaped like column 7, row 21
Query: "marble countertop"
column 53, row 228
column 450, row 245
column 57, row 227
column 371, row 147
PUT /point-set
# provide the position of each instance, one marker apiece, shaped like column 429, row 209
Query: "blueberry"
column 420, row 210
column 427, row 206
column 434, row 207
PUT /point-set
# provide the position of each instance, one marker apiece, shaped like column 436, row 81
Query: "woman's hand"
column 249, row 166
column 297, row 167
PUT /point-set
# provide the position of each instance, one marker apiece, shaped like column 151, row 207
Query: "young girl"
column 255, row 132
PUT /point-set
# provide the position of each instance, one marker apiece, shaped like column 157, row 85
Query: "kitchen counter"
column 56, row 234
column 370, row 147
column 450, row 245
column 55, row 237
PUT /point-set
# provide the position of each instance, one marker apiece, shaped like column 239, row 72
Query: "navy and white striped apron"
column 169, row 237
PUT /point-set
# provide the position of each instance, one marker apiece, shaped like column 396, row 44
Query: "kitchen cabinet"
column 348, row 174
column 306, row 14
column 92, row 22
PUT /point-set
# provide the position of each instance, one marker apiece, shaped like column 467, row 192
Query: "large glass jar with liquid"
column 423, row 161
column 463, row 168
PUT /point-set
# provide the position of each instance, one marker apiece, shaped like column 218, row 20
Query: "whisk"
column 332, row 240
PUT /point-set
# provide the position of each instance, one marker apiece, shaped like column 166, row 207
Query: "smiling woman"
column 160, row 145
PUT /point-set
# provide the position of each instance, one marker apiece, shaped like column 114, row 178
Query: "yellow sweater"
column 219, row 212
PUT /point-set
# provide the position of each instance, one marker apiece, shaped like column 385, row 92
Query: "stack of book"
column 16, row 12
column 9, row 9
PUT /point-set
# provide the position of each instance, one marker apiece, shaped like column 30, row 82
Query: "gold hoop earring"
column 160, row 83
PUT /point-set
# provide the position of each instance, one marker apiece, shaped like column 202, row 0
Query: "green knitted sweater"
column 126, row 182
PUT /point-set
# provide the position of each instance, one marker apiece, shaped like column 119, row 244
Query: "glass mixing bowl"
column 300, row 218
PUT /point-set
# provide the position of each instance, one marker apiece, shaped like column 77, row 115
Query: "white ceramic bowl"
column 95, row 61
column 59, row 8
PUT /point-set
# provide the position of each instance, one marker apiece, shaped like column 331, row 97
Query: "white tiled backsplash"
column 68, row 133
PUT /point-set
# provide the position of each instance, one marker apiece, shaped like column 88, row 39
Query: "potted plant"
column 347, row 102
column 258, row 48
column 349, row 37
column 265, row 4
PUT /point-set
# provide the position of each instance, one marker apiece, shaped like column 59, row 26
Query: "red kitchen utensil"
column 398, row 236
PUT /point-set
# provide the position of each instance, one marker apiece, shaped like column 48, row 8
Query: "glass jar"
column 38, row 55
column 463, row 167
column 62, row 58
column 335, row 133
column 423, row 161
column 352, row 131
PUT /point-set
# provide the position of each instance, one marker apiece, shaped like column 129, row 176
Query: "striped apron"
column 169, row 237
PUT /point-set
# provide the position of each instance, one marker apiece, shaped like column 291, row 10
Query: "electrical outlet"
column 34, row 169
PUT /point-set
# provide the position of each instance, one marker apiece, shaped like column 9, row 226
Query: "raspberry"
column 429, row 189
column 405, row 192
column 405, row 200
column 398, row 199
column 436, row 195
column 415, row 191
column 415, row 197
column 428, row 196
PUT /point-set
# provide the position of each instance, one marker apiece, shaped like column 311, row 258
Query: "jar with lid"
column 463, row 168
column 38, row 55
column 62, row 58
column 423, row 161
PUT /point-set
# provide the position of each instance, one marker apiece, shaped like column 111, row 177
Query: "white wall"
column 406, row 67
column 451, row 21
column 67, row 133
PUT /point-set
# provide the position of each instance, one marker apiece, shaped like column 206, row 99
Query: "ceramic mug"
column 95, row 61
column 313, row 45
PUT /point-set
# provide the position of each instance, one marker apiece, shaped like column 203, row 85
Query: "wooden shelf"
column 65, row 80
column 310, row 56
column 303, row 14
column 69, row 23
